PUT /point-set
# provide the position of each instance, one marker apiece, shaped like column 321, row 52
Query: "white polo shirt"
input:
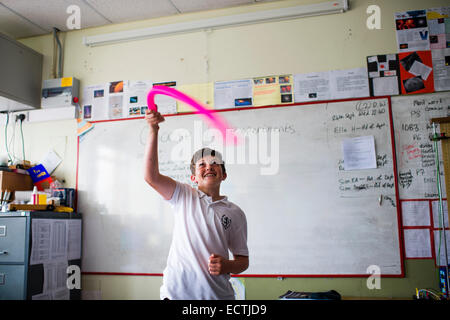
column 201, row 227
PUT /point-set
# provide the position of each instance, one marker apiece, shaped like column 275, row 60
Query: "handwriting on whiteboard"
column 415, row 151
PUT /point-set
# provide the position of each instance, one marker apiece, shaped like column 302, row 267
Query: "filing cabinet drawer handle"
column 3, row 252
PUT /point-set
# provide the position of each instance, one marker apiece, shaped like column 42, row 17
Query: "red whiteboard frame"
column 394, row 159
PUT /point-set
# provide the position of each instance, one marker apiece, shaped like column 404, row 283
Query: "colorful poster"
column 436, row 25
column 166, row 104
column 286, row 88
column 115, row 101
column 384, row 75
column 436, row 13
column 95, row 102
column 272, row 90
column 232, row 94
column 416, row 72
column 136, row 98
column 412, row 31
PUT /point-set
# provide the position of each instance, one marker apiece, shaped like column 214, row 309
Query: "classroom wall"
column 340, row 41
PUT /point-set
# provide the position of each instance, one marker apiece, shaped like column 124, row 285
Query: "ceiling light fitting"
column 323, row 8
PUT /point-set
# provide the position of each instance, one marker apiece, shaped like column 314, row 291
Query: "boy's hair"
column 204, row 152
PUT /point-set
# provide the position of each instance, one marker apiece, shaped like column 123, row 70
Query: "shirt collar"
column 208, row 198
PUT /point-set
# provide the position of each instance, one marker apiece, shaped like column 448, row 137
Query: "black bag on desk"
column 328, row 295
column 67, row 196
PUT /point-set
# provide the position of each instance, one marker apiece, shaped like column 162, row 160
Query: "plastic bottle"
column 35, row 196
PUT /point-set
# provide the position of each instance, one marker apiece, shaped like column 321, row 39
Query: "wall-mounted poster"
column 384, row 75
column 416, row 72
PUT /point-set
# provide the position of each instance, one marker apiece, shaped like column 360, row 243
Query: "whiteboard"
column 306, row 215
column 415, row 154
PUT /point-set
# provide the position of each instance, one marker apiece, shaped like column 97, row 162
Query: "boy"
column 206, row 226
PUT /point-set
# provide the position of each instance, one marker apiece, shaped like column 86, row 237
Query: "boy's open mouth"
column 209, row 174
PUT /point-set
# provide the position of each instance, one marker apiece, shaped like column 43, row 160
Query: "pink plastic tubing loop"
column 213, row 118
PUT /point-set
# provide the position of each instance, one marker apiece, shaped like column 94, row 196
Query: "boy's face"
column 208, row 172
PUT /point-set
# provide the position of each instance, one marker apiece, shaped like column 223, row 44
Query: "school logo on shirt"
column 226, row 222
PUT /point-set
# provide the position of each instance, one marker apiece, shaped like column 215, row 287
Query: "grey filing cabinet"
column 18, row 279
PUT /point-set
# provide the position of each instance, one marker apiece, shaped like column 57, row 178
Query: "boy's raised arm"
column 164, row 185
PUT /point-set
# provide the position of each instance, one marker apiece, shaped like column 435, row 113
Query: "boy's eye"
column 211, row 163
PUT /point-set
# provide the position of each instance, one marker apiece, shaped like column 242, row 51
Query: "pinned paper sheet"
column 439, row 246
column 419, row 69
column 415, row 213
column 441, row 66
column 41, row 241
column 74, row 239
column 437, row 221
column 312, row 86
column 350, row 83
column 359, row 153
column 51, row 161
column 417, row 243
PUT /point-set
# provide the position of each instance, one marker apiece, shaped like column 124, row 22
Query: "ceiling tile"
column 16, row 27
column 52, row 13
column 26, row 18
column 132, row 10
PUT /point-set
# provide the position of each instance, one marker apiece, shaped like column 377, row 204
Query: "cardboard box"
column 13, row 181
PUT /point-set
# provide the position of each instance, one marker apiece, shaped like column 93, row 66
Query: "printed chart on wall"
column 316, row 182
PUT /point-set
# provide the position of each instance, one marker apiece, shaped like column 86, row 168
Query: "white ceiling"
column 26, row 18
